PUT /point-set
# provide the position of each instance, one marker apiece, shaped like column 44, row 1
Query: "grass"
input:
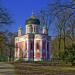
column 38, row 68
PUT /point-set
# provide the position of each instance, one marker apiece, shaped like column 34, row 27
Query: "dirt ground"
column 42, row 69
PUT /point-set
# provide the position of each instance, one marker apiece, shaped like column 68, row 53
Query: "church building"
column 35, row 44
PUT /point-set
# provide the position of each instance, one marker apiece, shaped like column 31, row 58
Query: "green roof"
column 32, row 20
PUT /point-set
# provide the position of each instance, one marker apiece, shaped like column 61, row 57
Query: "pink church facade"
column 35, row 44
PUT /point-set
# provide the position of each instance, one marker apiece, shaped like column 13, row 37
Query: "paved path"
column 6, row 69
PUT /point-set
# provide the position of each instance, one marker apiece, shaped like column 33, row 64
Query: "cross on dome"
column 33, row 20
column 33, row 14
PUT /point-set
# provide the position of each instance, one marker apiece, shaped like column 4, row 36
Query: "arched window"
column 44, row 44
column 21, row 54
column 38, row 45
column 16, row 46
column 48, row 50
column 25, row 45
column 34, row 28
column 31, row 45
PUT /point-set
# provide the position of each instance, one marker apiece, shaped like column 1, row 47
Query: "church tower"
column 20, row 31
column 32, row 24
column 45, row 30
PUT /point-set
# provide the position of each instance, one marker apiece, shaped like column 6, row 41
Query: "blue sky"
column 20, row 10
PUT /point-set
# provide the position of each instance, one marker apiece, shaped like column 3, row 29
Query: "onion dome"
column 32, row 20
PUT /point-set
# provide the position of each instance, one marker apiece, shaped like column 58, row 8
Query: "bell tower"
column 32, row 24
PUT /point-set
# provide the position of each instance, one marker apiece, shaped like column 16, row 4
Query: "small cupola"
column 20, row 31
column 45, row 29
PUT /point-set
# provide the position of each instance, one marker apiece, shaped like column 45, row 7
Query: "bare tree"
column 5, row 19
column 64, row 18
column 63, row 15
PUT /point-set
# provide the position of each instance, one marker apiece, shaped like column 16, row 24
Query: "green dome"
column 32, row 20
